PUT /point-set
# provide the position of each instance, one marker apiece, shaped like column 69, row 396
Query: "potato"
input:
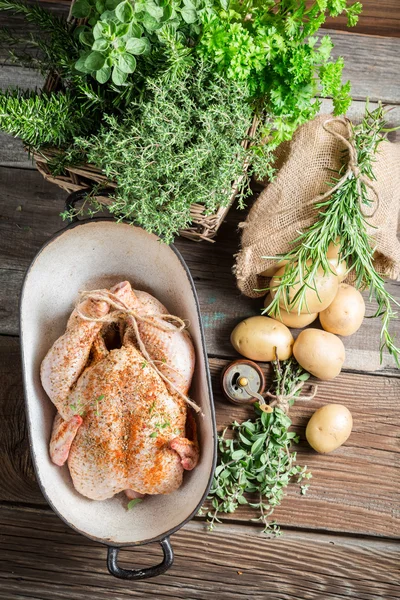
column 346, row 313
column 320, row 353
column 329, row 427
column 257, row 337
column 333, row 249
column 340, row 268
column 291, row 319
column 273, row 268
column 326, row 284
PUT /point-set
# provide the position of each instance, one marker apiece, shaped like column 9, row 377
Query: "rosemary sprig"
column 340, row 217
column 258, row 461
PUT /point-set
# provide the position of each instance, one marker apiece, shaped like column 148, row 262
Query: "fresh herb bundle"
column 119, row 32
column 180, row 145
column 268, row 45
column 341, row 217
column 256, row 465
column 129, row 66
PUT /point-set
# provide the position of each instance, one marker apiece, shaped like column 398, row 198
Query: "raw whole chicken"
column 119, row 425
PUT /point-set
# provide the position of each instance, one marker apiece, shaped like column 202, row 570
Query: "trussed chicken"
column 119, row 425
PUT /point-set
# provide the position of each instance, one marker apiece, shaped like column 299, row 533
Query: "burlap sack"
column 285, row 206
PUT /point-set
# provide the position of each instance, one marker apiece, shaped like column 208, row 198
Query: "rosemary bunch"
column 341, row 217
column 256, row 466
column 43, row 119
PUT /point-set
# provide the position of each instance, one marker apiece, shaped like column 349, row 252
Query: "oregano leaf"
column 137, row 45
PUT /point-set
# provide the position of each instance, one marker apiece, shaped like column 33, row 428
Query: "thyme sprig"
column 342, row 217
column 256, row 465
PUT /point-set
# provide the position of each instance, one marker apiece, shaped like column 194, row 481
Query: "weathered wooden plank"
column 233, row 562
column 377, row 18
column 356, row 489
column 29, row 216
column 371, row 64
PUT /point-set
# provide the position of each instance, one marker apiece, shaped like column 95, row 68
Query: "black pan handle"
column 75, row 197
column 117, row 571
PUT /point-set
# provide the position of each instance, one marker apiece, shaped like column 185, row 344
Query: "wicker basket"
column 85, row 176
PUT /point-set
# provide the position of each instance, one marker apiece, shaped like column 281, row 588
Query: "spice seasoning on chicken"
column 128, row 435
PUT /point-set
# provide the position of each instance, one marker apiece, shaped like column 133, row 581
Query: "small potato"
column 346, row 313
column 257, row 337
column 334, row 249
column 298, row 321
column 325, row 283
column 329, row 427
column 273, row 268
column 320, row 353
column 340, row 268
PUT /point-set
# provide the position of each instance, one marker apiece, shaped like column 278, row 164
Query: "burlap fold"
column 284, row 208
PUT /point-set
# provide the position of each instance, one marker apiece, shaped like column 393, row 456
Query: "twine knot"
column 164, row 322
column 353, row 168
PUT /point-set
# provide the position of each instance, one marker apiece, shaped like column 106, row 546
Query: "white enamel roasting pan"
column 96, row 254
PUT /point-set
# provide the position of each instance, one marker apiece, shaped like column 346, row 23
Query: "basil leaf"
column 189, row 15
column 124, row 12
column 95, row 61
column 103, row 74
column 112, row 4
column 81, row 9
column 225, row 4
column 101, row 45
column 244, row 439
column 127, row 63
column 137, row 45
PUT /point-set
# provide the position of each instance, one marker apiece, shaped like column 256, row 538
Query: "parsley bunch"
column 256, row 465
column 269, row 47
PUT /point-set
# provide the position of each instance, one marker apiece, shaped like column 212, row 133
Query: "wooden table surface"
column 339, row 541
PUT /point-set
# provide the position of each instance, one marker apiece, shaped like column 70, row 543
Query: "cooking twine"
column 282, row 399
column 352, row 167
column 121, row 309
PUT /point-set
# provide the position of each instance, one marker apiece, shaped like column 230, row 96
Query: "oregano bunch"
column 256, row 465
column 119, row 31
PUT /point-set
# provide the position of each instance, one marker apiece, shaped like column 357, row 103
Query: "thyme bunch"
column 257, row 464
column 341, row 217
column 177, row 146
